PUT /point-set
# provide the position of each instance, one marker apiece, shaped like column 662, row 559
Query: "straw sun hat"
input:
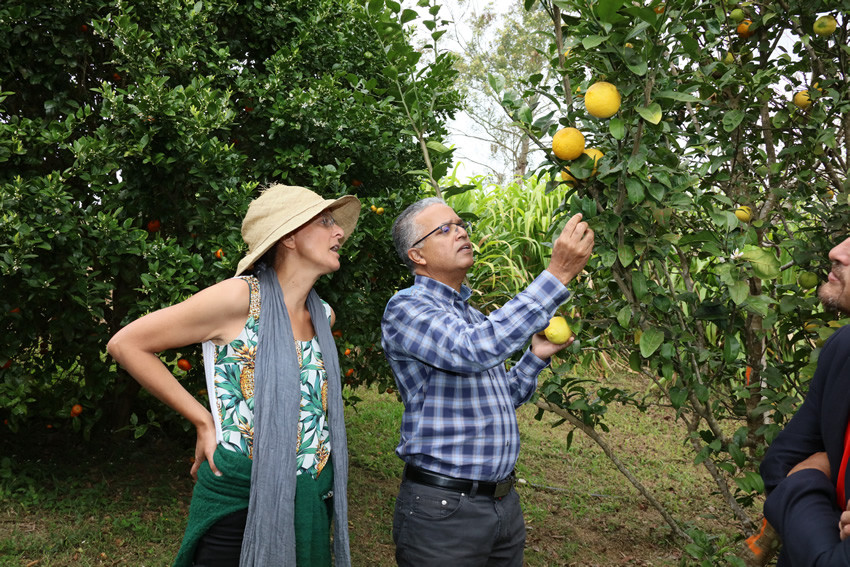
column 282, row 209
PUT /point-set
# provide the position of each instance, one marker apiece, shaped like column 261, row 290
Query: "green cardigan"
column 214, row 497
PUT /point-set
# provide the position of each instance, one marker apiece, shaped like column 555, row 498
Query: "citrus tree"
column 714, row 193
column 133, row 136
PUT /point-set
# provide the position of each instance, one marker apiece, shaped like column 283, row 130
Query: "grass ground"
column 126, row 505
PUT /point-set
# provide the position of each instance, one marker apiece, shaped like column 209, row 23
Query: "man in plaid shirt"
column 459, row 435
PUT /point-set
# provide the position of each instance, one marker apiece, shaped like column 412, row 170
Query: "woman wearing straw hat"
column 271, row 459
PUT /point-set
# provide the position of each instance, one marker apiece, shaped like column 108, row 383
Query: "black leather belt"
column 495, row 489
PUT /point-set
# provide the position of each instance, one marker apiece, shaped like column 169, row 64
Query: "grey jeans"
column 435, row 527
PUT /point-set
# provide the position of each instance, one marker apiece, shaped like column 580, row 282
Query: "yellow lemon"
column 802, row 100
column 737, row 15
column 825, row 26
column 602, row 100
column 558, row 331
column 729, row 59
column 568, row 143
column 744, row 214
column 595, row 155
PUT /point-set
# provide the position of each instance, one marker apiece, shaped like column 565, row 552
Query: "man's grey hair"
column 406, row 231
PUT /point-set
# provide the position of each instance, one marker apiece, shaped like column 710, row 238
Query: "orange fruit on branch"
column 602, row 100
column 744, row 29
column 568, row 143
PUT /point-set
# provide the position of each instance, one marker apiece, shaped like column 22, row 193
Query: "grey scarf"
column 269, row 539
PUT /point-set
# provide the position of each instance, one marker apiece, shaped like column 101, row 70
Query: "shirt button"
column 444, row 502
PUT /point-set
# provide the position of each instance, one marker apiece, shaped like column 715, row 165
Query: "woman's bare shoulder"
column 228, row 298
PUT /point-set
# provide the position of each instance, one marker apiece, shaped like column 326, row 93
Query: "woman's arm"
column 216, row 313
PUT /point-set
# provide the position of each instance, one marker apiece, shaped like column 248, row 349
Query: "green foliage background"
column 114, row 115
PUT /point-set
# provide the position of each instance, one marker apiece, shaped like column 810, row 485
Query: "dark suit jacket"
column 803, row 507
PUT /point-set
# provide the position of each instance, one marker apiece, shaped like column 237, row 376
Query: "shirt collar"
column 441, row 290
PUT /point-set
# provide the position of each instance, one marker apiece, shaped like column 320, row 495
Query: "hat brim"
column 346, row 211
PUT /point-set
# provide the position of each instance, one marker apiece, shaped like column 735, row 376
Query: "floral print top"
column 234, row 392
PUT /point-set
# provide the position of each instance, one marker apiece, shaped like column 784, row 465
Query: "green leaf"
column 678, row 396
column 732, row 119
column 738, row 456
column 198, row 7
column 607, row 258
column 690, row 45
column 638, row 68
column 639, row 285
column 607, row 9
column 449, row 192
column 637, row 30
column 751, row 482
column 374, row 7
column 497, row 82
column 437, row 147
column 617, row 128
column 408, row 15
column 683, row 97
column 635, row 361
column 731, row 349
column 759, row 304
column 624, row 316
column 626, row 255
column 635, row 190
column 391, row 72
column 764, row 262
column 592, row 41
column 651, row 113
column 739, row 291
column 650, row 340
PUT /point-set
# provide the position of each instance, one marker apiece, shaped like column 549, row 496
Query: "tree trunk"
column 522, row 158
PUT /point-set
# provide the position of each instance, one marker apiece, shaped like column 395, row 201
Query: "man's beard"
column 834, row 300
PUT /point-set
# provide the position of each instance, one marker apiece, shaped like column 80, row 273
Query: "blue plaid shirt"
column 448, row 359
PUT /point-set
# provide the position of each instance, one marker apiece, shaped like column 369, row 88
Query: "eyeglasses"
column 444, row 229
column 326, row 220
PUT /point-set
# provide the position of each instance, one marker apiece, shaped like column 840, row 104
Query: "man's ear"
column 415, row 255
